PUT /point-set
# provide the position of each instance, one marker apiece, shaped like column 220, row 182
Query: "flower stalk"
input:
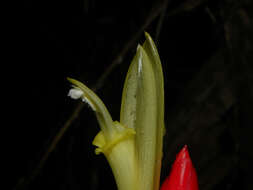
column 132, row 146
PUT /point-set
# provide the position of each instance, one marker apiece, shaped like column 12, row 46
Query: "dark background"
column 206, row 53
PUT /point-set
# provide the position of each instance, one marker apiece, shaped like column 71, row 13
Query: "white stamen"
column 75, row 93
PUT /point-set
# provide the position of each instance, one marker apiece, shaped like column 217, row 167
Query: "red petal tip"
column 183, row 154
column 183, row 175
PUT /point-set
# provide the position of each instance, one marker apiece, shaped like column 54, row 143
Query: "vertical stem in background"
column 161, row 19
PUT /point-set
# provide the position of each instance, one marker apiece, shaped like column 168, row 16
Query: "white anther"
column 75, row 93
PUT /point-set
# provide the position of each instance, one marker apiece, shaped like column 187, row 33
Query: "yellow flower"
column 133, row 146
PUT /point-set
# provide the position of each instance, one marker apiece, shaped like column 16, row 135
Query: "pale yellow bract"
column 133, row 146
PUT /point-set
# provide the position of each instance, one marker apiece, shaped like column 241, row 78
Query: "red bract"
column 183, row 175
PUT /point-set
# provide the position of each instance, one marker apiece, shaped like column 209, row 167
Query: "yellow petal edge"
column 106, row 147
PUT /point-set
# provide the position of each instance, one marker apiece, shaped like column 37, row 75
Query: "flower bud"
column 183, row 175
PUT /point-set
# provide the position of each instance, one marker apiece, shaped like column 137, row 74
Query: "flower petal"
column 103, row 116
column 152, row 52
column 116, row 141
column 142, row 109
column 139, row 111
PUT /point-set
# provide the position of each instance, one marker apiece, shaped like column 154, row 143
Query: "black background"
column 80, row 39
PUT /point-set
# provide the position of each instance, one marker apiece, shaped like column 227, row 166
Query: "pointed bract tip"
column 183, row 174
column 147, row 34
column 69, row 79
column 138, row 47
column 183, row 154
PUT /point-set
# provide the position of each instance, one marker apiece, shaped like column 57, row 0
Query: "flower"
column 183, row 175
column 132, row 146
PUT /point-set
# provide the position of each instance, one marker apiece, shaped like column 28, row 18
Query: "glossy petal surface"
column 142, row 109
column 183, row 175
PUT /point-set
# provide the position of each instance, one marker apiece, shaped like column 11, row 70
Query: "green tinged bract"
column 133, row 146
